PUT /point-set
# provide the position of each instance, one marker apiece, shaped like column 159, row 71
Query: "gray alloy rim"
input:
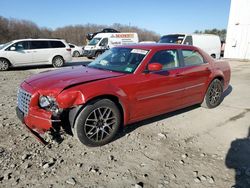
column 215, row 93
column 100, row 124
column 3, row 64
column 58, row 62
column 76, row 54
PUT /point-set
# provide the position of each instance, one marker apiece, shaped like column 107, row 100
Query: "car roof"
column 41, row 39
column 158, row 46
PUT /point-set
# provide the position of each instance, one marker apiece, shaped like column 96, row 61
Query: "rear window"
column 57, row 44
column 39, row 44
column 192, row 57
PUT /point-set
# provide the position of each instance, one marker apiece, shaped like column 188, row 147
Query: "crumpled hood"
column 55, row 81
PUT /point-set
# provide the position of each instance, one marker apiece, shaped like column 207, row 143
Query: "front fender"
column 82, row 94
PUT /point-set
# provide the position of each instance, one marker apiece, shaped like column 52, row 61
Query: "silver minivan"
column 25, row 52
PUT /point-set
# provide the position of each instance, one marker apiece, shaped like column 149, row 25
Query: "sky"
column 160, row 16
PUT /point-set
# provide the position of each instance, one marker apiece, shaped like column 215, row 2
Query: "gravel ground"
column 193, row 147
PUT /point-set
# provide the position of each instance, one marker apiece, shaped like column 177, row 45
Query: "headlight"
column 49, row 103
column 44, row 102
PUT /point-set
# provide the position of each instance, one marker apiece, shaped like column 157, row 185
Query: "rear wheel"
column 213, row 95
column 4, row 64
column 97, row 123
column 58, row 61
column 76, row 54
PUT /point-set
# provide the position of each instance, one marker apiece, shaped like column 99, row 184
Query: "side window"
column 104, row 42
column 57, row 44
column 24, row 45
column 188, row 40
column 39, row 44
column 71, row 46
column 168, row 59
column 192, row 57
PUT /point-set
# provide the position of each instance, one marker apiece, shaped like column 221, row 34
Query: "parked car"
column 25, row 52
column 89, row 36
column 211, row 44
column 76, row 51
column 126, row 84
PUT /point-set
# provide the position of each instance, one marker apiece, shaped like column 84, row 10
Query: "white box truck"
column 207, row 42
column 103, row 41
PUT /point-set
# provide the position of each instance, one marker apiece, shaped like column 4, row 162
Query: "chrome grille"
column 23, row 100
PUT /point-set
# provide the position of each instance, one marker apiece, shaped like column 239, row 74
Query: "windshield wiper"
column 96, row 67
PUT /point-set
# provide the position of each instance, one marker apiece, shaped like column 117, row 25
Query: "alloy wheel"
column 100, row 124
column 215, row 94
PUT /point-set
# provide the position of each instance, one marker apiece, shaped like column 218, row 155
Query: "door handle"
column 178, row 75
column 207, row 70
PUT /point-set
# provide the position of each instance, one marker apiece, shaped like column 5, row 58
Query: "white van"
column 104, row 41
column 207, row 42
column 34, row 52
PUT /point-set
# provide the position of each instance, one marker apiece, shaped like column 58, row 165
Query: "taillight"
column 68, row 49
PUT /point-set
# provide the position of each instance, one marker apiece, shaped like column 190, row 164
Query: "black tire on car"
column 76, row 54
column 97, row 123
column 58, row 61
column 4, row 64
column 213, row 96
column 97, row 54
column 213, row 56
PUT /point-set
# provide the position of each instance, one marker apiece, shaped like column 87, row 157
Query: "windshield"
column 177, row 39
column 94, row 41
column 4, row 45
column 124, row 60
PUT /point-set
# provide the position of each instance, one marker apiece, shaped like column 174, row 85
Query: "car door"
column 161, row 91
column 41, row 51
column 19, row 53
column 196, row 72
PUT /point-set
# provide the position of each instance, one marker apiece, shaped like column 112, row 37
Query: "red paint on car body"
column 140, row 94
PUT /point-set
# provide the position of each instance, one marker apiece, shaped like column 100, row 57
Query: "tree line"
column 11, row 29
column 222, row 33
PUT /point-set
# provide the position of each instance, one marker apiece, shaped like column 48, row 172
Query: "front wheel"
column 4, row 65
column 58, row 61
column 98, row 54
column 213, row 95
column 97, row 123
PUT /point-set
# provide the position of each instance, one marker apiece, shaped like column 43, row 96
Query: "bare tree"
column 12, row 29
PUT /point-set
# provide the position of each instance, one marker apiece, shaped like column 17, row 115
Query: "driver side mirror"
column 12, row 48
column 154, row 67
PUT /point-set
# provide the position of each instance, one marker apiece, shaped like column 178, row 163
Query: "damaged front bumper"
column 37, row 123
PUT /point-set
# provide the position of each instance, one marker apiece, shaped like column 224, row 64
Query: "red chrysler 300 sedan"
column 124, row 85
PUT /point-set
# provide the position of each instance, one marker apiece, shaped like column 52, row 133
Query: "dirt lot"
column 194, row 147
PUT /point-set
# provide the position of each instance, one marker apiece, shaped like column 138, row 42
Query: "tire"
column 213, row 56
column 97, row 123
column 97, row 54
column 213, row 96
column 4, row 65
column 76, row 54
column 58, row 61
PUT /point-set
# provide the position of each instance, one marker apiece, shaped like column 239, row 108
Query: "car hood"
column 56, row 81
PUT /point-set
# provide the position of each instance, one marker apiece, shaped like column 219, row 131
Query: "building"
column 238, row 31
